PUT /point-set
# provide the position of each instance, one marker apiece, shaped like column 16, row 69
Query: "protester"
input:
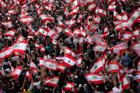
column 69, row 46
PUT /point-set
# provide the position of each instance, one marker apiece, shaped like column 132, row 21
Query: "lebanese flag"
column 92, row 27
column 26, row 19
column 20, row 38
column 45, row 17
column 54, row 41
column 119, row 48
column 20, row 47
column 68, row 32
column 91, row 7
column 17, row 71
column 69, row 60
column 52, row 33
column 100, row 11
column 94, row 78
column 97, row 19
column 2, row 73
column 117, row 16
column 11, row 12
column 89, row 40
column 80, row 18
column 37, row 46
column 28, row 75
column 42, row 31
column 113, row 67
column 99, row 48
column 74, row 4
column 79, row 61
column 7, row 24
column 79, row 32
column 111, row 7
column 49, row 64
column 41, row 62
column 33, row 67
column 69, row 51
column 135, row 15
column 69, row 86
column 10, row 33
column 52, row 81
column 106, row 31
column 74, row 11
column 125, row 82
column 135, row 33
column 31, row 30
column 61, row 67
column 98, row 66
column 6, row 53
column 136, row 48
column 22, row 1
column 127, row 36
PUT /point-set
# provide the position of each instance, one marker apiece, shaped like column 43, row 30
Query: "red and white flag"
column 68, row 32
column 20, row 47
column 136, row 48
column 49, row 64
column 127, row 36
column 135, row 33
column 99, row 48
column 41, row 62
column 20, row 38
column 92, row 6
column 52, row 33
column 79, row 61
column 10, row 33
column 17, row 71
column 113, row 67
column 111, row 7
column 94, row 78
column 33, row 67
column 6, row 53
column 52, row 81
column 60, row 67
column 99, row 65
column 125, row 82
column 69, row 51
column 11, row 12
column 28, row 75
column 96, row 19
column 106, row 31
column 69, row 60
column 45, row 17
column 69, row 86
column 7, row 24
column 43, row 32
column 26, row 19
column 100, row 11
column 78, row 32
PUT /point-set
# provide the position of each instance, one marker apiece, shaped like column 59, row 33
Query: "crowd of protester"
column 70, row 25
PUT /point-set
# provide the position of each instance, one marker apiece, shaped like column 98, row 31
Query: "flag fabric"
column 33, row 67
column 20, row 38
column 69, row 86
column 68, row 32
column 45, row 17
column 100, row 11
column 43, row 32
column 74, row 11
column 136, row 48
column 99, row 48
column 113, row 67
column 135, row 33
column 26, row 19
column 91, row 7
column 7, row 24
column 98, row 66
column 28, row 75
column 78, row 32
column 94, row 78
column 96, row 19
column 10, row 33
column 41, row 62
column 125, row 82
column 79, row 61
column 11, row 12
column 74, row 4
column 69, row 51
column 61, row 66
column 106, row 31
column 127, row 36
column 17, row 71
column 49, row 64
column 20, row 47
column 111, row 7
column 69, row 60
column 52, row 81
